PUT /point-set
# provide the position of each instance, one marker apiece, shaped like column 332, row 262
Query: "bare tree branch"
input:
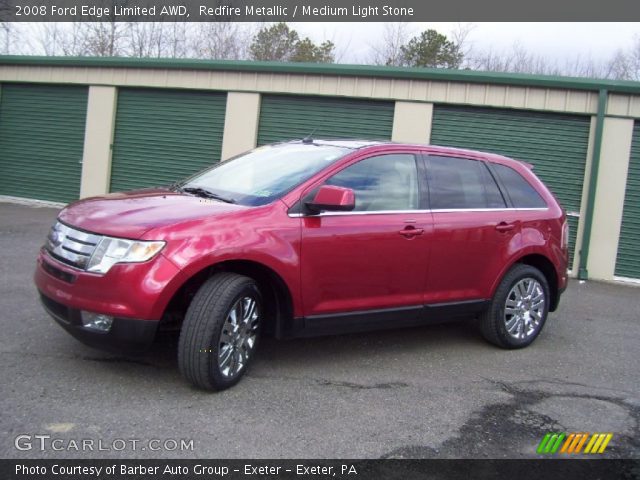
column 221, row 40
column 389, row 50
column 460, row 36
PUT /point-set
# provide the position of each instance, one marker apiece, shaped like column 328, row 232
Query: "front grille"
column 70, row 246
column 56, row 272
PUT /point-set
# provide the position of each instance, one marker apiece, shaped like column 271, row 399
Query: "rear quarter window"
column 522, row 194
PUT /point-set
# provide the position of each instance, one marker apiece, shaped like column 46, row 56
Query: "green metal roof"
column 331, row 69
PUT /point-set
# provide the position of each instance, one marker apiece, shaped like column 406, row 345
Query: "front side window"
column 264, row 174
column 381, row 183
column 522, row 194
column 460, row 183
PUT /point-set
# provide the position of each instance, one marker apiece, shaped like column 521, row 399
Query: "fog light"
column 96, row 321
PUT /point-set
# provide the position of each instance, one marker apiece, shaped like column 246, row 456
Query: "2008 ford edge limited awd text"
column 306, row 238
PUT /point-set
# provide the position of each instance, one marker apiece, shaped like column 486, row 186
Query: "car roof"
column 354, row 144
column 357, row 144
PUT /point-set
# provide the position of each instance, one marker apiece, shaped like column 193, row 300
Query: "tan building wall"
column 240, row 123
column 96, row 160
column 609, row 201
column 412, row 122
column 433, row 91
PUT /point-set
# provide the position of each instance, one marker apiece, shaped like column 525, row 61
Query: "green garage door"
column 628, row 261
column 41, row 141
column 290, row 117
column 556, row 144
column 162, row 136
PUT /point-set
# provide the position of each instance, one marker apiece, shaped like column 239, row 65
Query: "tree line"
column 397, row 46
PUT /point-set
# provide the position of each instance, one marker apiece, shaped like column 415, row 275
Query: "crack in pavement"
column 360, row 386
column 513, row 429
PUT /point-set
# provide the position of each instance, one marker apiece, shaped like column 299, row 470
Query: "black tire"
column 494, row 324
column 201, row 338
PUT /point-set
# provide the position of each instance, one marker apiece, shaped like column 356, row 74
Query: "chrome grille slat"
column 75, row 259
column 84, row 242
column 68, row 249
column 76, row 247
column 70, row 246
column 84, row 237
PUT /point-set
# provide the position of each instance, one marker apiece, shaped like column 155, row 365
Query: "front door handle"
column 410, row 231
column 505, row 227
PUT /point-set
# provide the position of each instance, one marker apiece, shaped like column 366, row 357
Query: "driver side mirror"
column 332, row 199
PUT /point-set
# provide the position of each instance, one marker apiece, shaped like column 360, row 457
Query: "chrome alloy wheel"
column 238, row 336
column 524, row 308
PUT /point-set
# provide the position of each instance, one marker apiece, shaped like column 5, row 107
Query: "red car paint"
column 329, row 264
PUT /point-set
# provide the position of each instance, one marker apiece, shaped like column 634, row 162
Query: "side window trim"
column 422, row 159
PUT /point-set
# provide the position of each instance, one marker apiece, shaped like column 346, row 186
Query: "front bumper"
column 133, row 290
column 135, row 295
column 126, row 334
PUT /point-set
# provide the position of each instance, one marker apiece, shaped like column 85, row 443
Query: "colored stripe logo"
column 574, row 443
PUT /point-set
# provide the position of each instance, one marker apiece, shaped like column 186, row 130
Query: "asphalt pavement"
column 432, row 392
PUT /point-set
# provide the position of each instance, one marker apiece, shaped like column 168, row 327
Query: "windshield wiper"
column 203, row 192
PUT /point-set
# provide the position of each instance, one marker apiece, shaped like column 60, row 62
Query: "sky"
column 556, row 40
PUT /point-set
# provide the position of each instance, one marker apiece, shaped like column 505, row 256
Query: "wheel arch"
column 545, row 266
column 278, row 300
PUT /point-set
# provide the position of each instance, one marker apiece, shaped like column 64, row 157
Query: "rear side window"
column 522, row 194
column 460, row 183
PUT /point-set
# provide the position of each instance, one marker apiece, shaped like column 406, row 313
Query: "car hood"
column 131, row 214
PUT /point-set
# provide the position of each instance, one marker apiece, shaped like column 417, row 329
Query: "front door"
column 374, row 257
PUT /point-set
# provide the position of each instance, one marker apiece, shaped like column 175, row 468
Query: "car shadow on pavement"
column 327, row 349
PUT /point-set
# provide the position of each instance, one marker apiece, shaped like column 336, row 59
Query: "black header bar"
column 316, row 10
column 566, row 469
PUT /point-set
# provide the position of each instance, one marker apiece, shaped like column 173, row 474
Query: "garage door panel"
column 556, row 144
column 628, row 258
column 162, row 136
column 42, row 140
column 285, row 117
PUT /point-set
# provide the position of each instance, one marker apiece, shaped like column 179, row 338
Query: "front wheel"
column 220, row 332
column 518, row 310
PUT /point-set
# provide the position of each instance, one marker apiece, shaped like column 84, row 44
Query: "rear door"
column 473, row 230
column 556, row 143
column 374, row 257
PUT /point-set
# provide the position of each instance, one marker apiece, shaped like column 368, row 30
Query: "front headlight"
column 117, row 250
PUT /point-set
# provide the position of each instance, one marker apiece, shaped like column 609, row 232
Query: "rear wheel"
column 518, row 310
column 220, row 332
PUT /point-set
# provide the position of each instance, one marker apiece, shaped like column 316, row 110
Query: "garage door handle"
column 410, row 231
column 505, row 227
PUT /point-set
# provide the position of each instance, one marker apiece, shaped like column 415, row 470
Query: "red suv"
column 308, row 238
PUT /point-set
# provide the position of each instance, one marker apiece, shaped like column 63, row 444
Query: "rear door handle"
column 505, row 227
column 410, row 231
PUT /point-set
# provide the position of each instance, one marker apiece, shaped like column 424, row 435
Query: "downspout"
column 583, row 273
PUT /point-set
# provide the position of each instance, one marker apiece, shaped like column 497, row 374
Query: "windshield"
column 264, row 174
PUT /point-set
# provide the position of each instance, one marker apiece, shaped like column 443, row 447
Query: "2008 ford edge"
column 306, row 238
